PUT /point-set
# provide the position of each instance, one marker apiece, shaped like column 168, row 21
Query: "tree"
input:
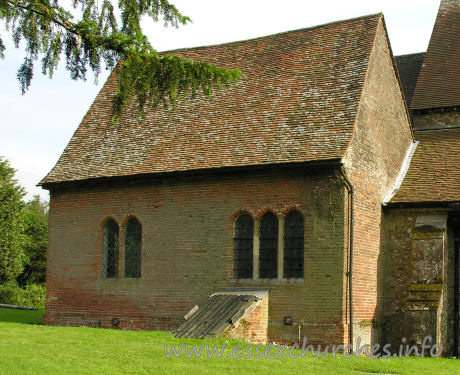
column 11, row 252
column 49, row 30
column 23, row 232
column 34, row 217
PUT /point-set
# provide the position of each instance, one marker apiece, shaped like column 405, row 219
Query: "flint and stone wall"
column 419, row 274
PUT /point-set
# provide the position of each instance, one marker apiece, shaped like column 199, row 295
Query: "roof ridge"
column 373, row 15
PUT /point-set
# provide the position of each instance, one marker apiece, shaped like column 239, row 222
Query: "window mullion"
column 121, row 252
column 255, row 249
column 280, row 247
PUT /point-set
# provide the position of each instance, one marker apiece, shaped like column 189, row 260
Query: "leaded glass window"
column 133, row 239
column 268, row 251
column 242, row 242
column 110, row 249
column 293, row 245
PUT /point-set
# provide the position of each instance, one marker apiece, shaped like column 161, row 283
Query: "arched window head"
column 293, row 245
column 268, row 252
column 110, row 249
column 133, row 239
column 242, row 242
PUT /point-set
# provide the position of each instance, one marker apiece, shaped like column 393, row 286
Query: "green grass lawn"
column 21, row 316
column 38, row 349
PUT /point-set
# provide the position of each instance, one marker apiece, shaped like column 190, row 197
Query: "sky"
column 36, row 127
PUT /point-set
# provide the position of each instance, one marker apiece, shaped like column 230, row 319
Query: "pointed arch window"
column 243, row 249
column 110, row 249
column 268, row 252
column 293, row 245
column 133, row 239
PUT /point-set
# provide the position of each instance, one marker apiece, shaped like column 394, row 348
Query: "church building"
column 320, row 194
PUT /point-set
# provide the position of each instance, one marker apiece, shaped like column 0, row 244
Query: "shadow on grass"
column 22, row 316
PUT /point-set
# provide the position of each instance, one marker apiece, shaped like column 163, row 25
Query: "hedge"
column 32, row 295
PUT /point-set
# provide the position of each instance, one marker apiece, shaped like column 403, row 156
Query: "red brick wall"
column 187, row 250
column 254, row 326
column 380, row 142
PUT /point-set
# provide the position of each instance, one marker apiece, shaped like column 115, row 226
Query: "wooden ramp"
column 220, row 313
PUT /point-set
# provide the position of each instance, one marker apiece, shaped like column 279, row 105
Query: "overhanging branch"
column 45, row 12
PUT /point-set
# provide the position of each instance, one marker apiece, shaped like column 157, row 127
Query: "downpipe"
column 350, row 259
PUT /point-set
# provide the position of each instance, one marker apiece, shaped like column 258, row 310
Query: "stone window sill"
column 267, row 281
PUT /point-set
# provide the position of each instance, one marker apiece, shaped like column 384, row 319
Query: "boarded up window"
column 293, row 245
column 110, row 250
column 133, row 239
column 242, row 242
column 268, row 252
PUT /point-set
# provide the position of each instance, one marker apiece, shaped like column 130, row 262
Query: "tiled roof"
column 297, row 103
column 409, row 68
column 220, row 313
column 438, row 84
column 434, row 172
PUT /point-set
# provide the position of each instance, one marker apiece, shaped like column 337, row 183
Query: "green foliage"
column 35, row 229
column 50, row 30
column 23, row 232
column 32, row 295
column 12, row 255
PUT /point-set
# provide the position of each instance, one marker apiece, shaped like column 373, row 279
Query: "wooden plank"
column 16, row 307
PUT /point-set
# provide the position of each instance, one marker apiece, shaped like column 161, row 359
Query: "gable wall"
column 187, row 251
column 381, row 139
